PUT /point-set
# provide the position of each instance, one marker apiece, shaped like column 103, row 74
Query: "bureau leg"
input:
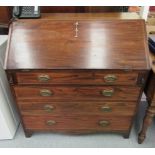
column 28, row 134
column 126, row 135
column 150, row 113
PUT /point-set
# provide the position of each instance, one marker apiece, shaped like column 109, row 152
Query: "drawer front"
column 67, row 108
column 75, row 122
column 77, row 77
column 84, row 93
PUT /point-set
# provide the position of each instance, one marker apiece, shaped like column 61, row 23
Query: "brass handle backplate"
column 104, row 123
column 44, row 78
column 110, row 78
column 48, row 108
column 50, row 122
column 46, row 92
column 106, row 109
column 107, row 92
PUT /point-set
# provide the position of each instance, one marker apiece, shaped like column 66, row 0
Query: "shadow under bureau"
column 77, row 73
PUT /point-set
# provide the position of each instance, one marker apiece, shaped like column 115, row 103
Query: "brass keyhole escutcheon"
column 110, row 78
column 46, row 92
column 48, row 108
column 44, row 78
column 50, row 122
column 104, row 123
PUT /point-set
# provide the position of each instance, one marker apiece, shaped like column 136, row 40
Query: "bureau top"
column 77, row 41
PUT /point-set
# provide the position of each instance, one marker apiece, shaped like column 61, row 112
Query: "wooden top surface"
column 103, row 42
column 88, row 16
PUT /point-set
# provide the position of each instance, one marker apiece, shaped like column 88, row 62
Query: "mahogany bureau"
column 77, row 73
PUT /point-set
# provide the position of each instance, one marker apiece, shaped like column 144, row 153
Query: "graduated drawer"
column 67, row 108
column 72, row 93
column 77, row 77
column 77, row 122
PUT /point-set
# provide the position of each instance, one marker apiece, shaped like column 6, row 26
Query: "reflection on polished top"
column 81, row 43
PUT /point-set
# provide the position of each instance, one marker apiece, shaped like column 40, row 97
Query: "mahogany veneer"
column 77, row 73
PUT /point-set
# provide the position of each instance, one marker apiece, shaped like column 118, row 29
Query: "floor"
column 51, row 140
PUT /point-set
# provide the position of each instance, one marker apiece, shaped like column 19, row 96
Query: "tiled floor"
column 86, row 141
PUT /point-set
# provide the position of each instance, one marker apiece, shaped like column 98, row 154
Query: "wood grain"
column 150, row 96
column 5, row 15
column 79, row 9
column 5, row 18
column 90, row 16
column 106, row 44
column 71, row 108
column 56, row 47
column 76, row 122
column 150, row 88
column 85, row 77
column 76, row 93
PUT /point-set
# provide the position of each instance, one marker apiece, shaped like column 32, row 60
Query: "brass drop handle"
column 110, row 78
column 44, row 78
column 106, row 109
column 48, row 108
column 50, row 122
column 46, row 92
column 104, row 123
column 107, row 92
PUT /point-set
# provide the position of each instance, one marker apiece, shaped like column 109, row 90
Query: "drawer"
column 77, row 122
column 67, row 108
column 84, row 93
column 77, row 77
